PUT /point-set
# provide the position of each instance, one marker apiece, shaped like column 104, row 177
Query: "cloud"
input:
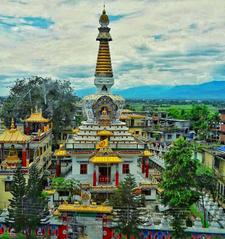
column 154, row 41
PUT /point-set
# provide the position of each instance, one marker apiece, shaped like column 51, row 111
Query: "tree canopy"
column 179, row 183
column 126, row 203
column 56, row 99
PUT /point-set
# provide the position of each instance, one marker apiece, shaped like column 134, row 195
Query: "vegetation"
column 28, row 208
column 16, row 214
column 55, row 98
column 206, row 181
column 126, row 204
column 72, row 186
column 179, row 184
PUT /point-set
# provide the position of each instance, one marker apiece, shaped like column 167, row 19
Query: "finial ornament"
column 12, row 127
column 12, row 124
column 104, row 19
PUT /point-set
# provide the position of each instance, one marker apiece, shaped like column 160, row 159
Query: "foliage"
column 16, row 214
column 36, row 206
column 126, row 204
column 70, row 185
column 197, row 213
column 56, row 99
column 206, row 181
column 27, row 207
column 179, row 183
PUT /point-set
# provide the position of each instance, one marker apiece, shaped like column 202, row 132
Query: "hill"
column 214, row 90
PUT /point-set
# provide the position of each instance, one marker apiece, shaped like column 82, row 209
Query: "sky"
column 163, row 42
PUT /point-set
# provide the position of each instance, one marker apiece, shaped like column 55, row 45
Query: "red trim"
column 146, row 169
column 117, row 179
column 94, row 178
column 58, row 168
column 24, row 157
column 143, row 165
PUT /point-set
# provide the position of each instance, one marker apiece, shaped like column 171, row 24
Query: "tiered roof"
column 14, row 135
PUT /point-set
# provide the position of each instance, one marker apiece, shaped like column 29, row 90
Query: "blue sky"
column 154, row 41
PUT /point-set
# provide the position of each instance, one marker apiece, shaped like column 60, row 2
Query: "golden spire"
column 103, row 66
column 12, row 124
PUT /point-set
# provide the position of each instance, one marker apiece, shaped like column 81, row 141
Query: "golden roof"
column 50, row 191
column 106, row 159
column 56, row 213
column 61, row 153
column 104, row 133
column 36, row 118
column 125, row 116
column 84, row 208
column 160, row 190
column 147, row 153
column 14, row 135
column 75, row 131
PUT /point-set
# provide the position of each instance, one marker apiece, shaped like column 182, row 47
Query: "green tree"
column 36, row 205
column 206, row 181
column 72, row 186
column 179, row 184
column 55, row 97
column 17, row 217
column 125, row 204
column 200, row 117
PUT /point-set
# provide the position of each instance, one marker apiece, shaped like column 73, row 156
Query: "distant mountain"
column 214, row 90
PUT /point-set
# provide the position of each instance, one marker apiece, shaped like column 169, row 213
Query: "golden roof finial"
column 12, row 124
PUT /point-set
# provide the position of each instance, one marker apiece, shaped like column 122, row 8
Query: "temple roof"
column 61, row 153
column 36, row 118
column 147, row 153
column 105, row 133
column 106, row 159
column 84, row 208
column 14, row 135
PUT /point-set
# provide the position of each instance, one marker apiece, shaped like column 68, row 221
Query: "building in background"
column 17, row 147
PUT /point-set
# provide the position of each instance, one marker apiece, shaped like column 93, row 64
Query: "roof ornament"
column 12, row 124
column 104, row 19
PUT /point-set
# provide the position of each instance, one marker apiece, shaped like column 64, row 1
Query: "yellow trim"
column 50, row 191
column 36, row 117
column 105, row 133
column 147, row 153
column 14, row 136
column 106, row 159
column 84, row 209
column 61, row 153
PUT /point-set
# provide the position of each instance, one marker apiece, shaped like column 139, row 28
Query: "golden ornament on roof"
column 104, row 19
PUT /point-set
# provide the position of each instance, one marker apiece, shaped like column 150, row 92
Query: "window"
column 8, row 186
column 169, row 136
column 217, row 163
column 126, row 168
column 63, row 193
column 83, row 169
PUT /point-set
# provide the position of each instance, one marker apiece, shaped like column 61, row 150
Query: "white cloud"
column 165, row 41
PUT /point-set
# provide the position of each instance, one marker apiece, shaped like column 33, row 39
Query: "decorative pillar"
column 117, row 177
column 28, row 152
column 58, row 167
column 94, row 177
column 146, row 168
column 24, row 157
column 143, row 165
